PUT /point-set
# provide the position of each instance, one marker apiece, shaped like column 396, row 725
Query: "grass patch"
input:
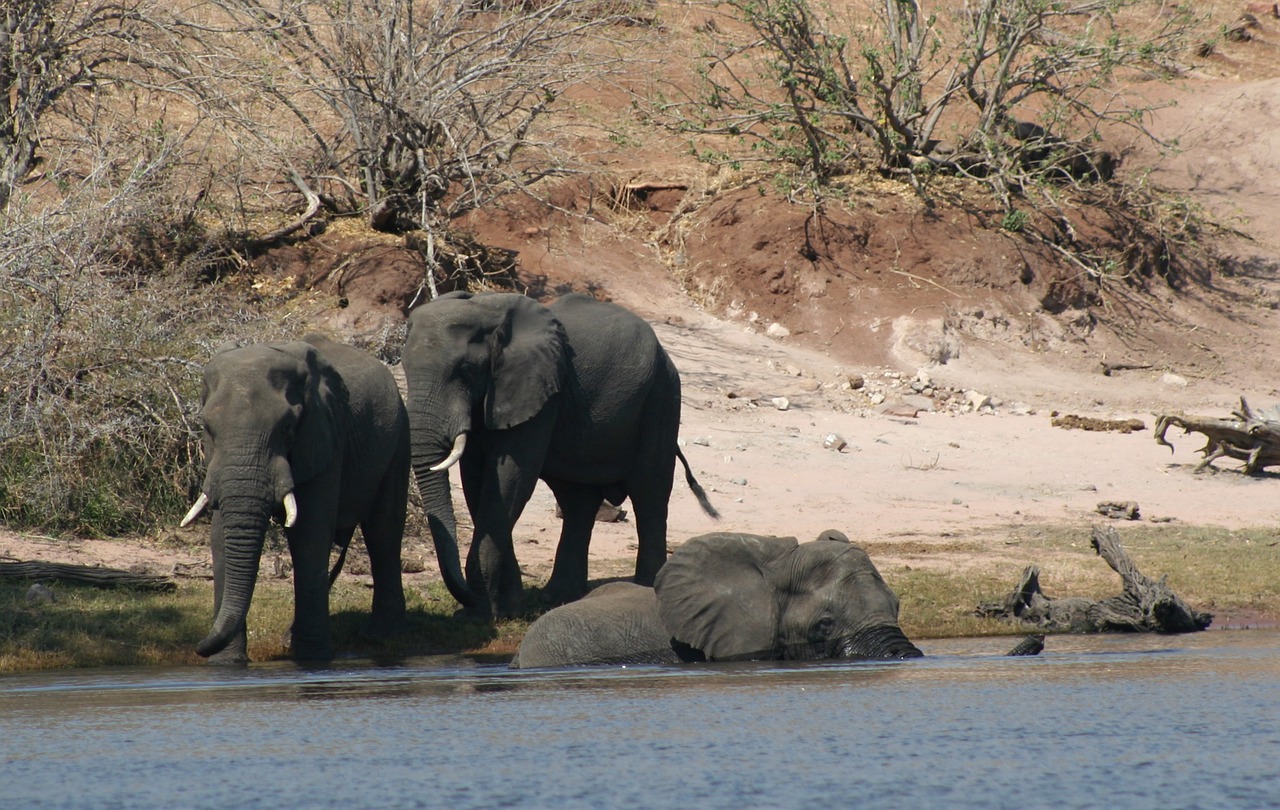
column 1218, row 570
column 88, row 627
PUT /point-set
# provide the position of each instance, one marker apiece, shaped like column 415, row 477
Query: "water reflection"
column 1130, row 721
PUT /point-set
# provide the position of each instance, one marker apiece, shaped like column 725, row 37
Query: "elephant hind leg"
column 383, row 531
column 650, row 498
column 579, row 504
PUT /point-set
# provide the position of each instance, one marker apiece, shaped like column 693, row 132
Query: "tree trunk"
column 1145, row 605
column 87, row 574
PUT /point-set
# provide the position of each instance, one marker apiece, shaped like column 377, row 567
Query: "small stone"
column 976, row 401
column 834, row 441
column 856, row 381
column 1175, row 380
column 781, row 403
column 793, row 371
column 742, row 482
column 39, row 594
column 777, row 330
column 702, row 441
column 877, row 398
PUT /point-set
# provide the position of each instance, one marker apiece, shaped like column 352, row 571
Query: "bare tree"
column 54, row 54
column 1020, row 87
column 414, row 111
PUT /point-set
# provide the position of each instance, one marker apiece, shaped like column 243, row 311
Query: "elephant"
column 579, row 394
column 731, row 596
column 316, row 435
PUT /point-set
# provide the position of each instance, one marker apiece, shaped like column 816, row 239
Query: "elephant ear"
column 715, row 594
column 315, row 437
column 527, row 354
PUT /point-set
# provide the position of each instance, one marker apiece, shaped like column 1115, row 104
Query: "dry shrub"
column 102, row 338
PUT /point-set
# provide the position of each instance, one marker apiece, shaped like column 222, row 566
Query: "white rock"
column 777, row 330
column 976, row 401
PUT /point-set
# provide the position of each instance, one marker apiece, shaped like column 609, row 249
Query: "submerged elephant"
column 580, row 395
column 730, row 596
column 315, row 434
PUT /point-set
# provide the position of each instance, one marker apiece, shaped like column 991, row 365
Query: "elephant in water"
column 728, row 596
column 579, row 394
column 314, row 434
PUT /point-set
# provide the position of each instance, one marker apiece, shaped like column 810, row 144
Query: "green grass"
column 1213, row 569
column 88, row 626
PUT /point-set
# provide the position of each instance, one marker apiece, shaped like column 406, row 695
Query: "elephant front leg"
column 310, row 636
column 505, row 487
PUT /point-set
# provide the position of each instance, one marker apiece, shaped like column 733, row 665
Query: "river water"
column 1145, row 721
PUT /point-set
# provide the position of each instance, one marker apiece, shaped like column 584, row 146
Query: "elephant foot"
column 229, row 658
column 475, row 613
column 302, row 649
column 562, row 593
column 313, row 652
column 234, row 654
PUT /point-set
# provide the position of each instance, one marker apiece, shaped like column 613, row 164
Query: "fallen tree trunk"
column 1145, row 604
column 88, row 574
column 1249, row 436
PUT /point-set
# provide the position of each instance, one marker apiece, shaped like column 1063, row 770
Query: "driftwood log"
column 1247, row 435
column 1145, row 605
column 87, row 574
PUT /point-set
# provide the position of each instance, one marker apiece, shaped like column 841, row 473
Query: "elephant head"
column 268, row 428
column 489, row 362
column 742, row 596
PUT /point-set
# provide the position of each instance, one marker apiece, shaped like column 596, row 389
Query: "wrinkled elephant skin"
column 729, row 597
column 314, row 434
column 579, row 394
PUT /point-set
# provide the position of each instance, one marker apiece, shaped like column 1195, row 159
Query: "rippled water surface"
column 1127, row 722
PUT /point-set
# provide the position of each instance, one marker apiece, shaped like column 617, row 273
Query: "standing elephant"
column 728, row 597
column 315, row 434
column 579, row 394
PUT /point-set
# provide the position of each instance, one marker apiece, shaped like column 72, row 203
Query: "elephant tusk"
column 459, row 444
column 290, row 510
column 196, row 509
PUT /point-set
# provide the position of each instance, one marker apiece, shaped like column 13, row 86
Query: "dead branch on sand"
column 87, row 574
column 1145, row 605
column 1248, row 436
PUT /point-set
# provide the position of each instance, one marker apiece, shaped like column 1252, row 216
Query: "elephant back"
column 616, row 623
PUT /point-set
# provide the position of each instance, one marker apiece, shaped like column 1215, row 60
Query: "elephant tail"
column 337, row 566
column 698, row 491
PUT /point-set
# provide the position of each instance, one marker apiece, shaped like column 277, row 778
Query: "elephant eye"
column 822, row 629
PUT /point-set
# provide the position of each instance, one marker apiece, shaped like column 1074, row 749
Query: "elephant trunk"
column 438, row 505
column 244, row 526
column 880, row 641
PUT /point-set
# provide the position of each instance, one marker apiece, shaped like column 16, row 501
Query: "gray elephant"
column 727, row 597
column 315, row 434
column 580, row 395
